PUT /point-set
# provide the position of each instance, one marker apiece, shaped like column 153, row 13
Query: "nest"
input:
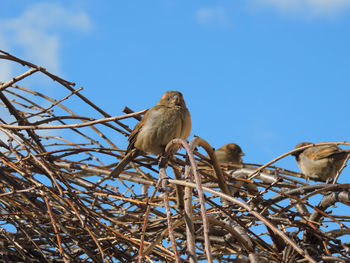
column 59, row 204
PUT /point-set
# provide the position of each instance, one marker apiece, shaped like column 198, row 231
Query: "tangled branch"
column 58, row 203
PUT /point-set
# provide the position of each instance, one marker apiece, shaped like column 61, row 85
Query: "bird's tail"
column 127, row 159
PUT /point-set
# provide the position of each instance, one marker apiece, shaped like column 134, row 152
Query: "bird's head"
column 172, row 98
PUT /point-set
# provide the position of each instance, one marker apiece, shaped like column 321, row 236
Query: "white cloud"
column 307, row 7
column 5, row 66
column 215, row 16
column 36, row 33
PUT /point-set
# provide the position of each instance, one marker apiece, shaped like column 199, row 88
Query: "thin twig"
column 79, row 125
column 18, row 78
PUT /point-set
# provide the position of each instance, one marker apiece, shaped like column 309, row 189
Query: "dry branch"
column 58, row 203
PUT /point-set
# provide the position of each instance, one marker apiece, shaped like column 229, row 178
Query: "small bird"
column 320, row 163
column 167, row 120
column 229, row 153
column 232, row 153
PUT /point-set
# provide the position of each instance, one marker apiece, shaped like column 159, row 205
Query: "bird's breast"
column 160, row 127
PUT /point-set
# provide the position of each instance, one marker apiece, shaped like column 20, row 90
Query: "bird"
column 320, row 163
column 165, row 121
column 229, row 153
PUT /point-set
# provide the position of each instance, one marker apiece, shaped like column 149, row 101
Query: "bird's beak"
column 242, row 154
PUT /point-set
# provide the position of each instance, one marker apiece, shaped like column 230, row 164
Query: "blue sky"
column 266, row 74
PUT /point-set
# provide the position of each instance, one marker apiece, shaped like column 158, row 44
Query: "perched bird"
column 167, row 120
column 320, row 163
column 229, row 153
column 232, row 153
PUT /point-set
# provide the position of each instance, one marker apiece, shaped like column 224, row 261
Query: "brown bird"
column 167, row 120
column 229, row 153
column 320, row 163
column 232, row 154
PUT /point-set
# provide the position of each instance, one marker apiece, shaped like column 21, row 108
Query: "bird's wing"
column 324, row 152
column 133, row 135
